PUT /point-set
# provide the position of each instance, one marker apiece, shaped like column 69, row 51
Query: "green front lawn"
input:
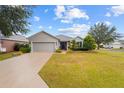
column 4, row 56
column 85, row 69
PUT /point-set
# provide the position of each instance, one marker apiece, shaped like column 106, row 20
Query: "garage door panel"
column 43, row 47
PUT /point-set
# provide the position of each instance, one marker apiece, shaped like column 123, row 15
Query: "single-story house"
column 43, row 41
column 7, row 43
column 115, row 44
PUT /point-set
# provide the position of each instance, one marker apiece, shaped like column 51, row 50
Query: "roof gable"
column 42, row 37
column 78, row 39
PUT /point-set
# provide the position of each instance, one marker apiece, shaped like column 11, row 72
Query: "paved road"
column 22, row 71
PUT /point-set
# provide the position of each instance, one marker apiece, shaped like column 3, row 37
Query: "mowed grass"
column 99, row 69
column 9, row 55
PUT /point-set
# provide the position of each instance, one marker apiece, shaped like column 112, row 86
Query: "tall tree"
column 103, row 33
column 14, row 19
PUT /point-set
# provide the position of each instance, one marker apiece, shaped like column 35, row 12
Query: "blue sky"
column 74, row 20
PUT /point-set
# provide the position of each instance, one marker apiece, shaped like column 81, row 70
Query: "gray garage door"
column 43, row 47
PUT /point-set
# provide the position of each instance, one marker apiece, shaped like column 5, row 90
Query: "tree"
column 89, row 43
column 103, row 34
column 14, row 19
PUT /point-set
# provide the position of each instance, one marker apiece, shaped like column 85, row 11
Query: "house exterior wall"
column 9, row 44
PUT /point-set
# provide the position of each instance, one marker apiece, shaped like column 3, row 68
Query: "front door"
column 63, row 45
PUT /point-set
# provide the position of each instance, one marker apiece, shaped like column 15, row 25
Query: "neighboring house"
column 45, row 42
column 115, row 44
column 42, row 41
column 64, row 41
column 79, row 41
column 7, row 43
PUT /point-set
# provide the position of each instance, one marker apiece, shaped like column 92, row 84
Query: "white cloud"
column 40, row 27
column 108, row 23
column 59, row 10
column 66, row 21
column 50, row 27
column 117, row 10
column 108, row 14
column 76, row 13
column 76, row 29
column 36, row 18
column 68, row 13
column 46, row 10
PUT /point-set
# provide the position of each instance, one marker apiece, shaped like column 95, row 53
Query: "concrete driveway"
column 22, row 71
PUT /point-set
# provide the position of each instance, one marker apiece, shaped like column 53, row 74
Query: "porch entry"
column 63, row 45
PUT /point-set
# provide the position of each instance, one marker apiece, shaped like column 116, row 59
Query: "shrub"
column 17, row 47
column 89, row 43
column 58, row 50
column 25, row 49
column 121, row 47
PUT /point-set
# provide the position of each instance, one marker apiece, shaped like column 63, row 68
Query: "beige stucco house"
column 45, row 42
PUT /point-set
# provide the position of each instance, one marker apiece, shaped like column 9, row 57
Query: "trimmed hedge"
column 25, row 49
column 17, row 47
column 80, row 49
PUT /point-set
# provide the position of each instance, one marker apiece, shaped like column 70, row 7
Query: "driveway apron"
column 22, row 71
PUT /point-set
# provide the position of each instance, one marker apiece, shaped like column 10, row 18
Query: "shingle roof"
column 42, row 32
column 15, row 38
column 64, row 38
